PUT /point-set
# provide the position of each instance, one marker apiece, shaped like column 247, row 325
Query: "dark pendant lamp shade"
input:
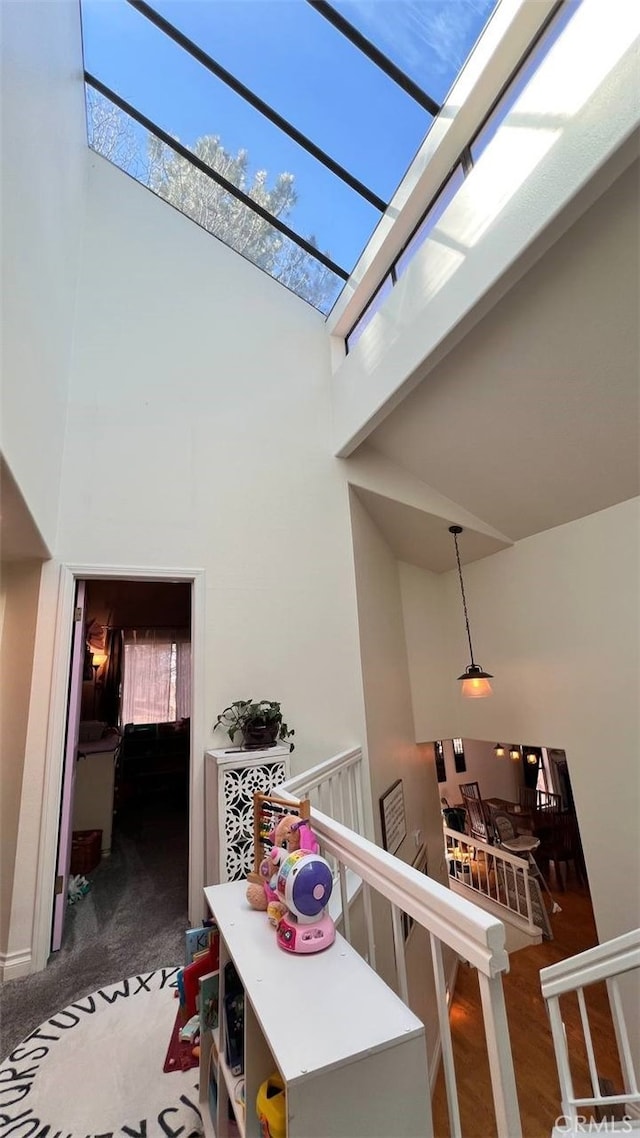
column 475, row 681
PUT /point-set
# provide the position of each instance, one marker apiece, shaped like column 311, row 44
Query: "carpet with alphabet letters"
column 94, row 1070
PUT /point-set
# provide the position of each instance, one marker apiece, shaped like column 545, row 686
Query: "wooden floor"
column 533, row 1055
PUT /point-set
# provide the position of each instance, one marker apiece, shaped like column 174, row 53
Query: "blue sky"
column 293, row 59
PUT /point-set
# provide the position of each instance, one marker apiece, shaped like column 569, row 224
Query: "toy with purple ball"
column 304, row 885
column 293, row 885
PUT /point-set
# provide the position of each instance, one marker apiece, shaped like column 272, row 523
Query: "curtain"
column 113, row 675
column 156, row 682
column 183, row 678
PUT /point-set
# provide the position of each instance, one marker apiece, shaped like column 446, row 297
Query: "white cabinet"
column 351, row 1055
column 232, row 777
column 93, row 797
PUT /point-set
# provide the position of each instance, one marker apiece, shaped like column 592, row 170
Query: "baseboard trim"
column 14, row 964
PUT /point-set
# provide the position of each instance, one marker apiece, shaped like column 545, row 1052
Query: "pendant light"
column 475, row 681
column 514, row 753
column 499, row 751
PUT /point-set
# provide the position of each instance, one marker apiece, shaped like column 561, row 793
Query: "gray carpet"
column 133, row 920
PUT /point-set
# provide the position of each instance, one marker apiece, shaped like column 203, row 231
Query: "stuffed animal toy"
column 291, row 833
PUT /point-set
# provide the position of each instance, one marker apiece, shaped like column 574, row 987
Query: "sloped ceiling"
column 20, row 538
column 532, row 420
column 421, row 538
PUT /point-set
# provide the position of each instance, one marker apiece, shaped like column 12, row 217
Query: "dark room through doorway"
column 128, row 874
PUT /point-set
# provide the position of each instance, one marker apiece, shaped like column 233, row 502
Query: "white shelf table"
column 351, row 1055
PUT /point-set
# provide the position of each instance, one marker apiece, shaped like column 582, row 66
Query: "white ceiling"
column 423, row 539
column 532, row 420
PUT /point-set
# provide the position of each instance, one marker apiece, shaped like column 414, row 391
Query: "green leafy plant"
column 259, row 721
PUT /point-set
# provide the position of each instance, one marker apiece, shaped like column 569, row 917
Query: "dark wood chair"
column 470, row 790
column 560, row 844
column 478, row 824
column 528, row 797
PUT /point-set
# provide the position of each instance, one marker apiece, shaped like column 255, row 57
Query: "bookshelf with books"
column 339, row 1051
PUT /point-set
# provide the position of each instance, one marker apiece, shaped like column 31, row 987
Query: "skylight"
column 281, row 126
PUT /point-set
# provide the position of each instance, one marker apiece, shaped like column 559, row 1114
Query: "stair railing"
column 605, row 962
column 493, row 873
column 450, row 922
column 336, row 787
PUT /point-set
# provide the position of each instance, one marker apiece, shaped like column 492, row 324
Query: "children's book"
column 208, row 1001
column 233, row 1019
column 205, row 962
column 197, row 941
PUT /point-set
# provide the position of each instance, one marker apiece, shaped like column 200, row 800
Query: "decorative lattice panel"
column 238, row 789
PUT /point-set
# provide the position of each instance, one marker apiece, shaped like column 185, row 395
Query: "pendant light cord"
column 464, row 599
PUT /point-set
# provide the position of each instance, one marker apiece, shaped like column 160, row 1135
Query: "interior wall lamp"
column 97, row 660
column 499, row 751
column 514, row 753
column 475, row 681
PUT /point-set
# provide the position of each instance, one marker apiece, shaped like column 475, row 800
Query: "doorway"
column 129, row 817
column 69, row 575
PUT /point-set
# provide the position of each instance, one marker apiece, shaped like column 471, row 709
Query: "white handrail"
column 605, row 962
column 475, row 935
column 299, row 784
column 336, row 785
column 601, row 962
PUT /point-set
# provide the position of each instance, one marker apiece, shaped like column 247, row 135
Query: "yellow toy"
column 271, row 1107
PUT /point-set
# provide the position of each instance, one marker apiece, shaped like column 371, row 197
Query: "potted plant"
column 258, row 721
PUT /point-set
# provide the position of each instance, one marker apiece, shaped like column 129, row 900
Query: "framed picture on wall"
column 441, row 770
column 458, row 756
column 394, row 822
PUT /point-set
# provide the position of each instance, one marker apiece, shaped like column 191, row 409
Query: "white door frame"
column 69, row 574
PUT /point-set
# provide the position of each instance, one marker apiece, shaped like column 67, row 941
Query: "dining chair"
column 560, row 843
column 470, row 789
column 528, row 797
column 478, row 825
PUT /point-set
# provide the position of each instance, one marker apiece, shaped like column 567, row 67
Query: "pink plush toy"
column 291, row 833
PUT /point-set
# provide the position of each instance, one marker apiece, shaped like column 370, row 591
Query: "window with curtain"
column 441, row 771
column 458, row 756
column 156, row 679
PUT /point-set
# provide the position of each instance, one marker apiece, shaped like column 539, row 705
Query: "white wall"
column 19, row 586
column 555, row 619
column 391, row 736
column 199, row 384
column 43, row 166
column 497, row 778
column 426, row 633
column 393, row 753
column 198, row 437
